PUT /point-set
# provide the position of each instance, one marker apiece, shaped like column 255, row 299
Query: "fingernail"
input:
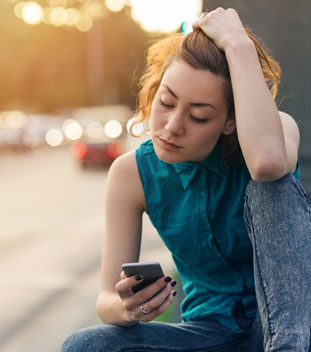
column 138, row 277
column 174, row 293
column 173, row 283
column 168, row 279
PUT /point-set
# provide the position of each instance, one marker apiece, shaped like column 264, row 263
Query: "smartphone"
column 151, row 272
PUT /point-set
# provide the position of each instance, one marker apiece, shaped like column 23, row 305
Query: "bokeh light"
column 152, row 15
column 137, row 129
column 162, row 15
column 85, row 23
column 113, row 129
column 32, row 12
column 54, row 137
column 58, row 16
column 78, row 150
column 94, row 9
column 115, row 5
column 13, row 119
column 72, row 129
column 114, row 150
column 57, row 3
column 95, row 130
column 18, row 9
column 73, row 16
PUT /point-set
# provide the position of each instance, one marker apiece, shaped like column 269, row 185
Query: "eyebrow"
column 192, row 104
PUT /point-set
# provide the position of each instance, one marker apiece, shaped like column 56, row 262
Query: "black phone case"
column 151, row 272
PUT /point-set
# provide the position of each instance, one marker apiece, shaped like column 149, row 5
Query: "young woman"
column 218, row 180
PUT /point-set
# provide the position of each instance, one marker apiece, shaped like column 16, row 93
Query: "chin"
column 168, row 157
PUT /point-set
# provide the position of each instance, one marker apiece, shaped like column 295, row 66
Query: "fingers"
column 124, row 287
column 158, row 303
column 222, row 26
column 160, row 309
column 218, row 13
column 132, row 301
column 149, row 302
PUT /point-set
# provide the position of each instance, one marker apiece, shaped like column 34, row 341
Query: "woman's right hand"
column 224, row 27
column 148, row 303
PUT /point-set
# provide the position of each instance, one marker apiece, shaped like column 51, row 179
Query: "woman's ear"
column 229, row 127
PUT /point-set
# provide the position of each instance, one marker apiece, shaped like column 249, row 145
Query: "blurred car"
column 96, row 154
column 100, row 134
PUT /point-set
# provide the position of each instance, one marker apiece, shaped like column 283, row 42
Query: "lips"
column 168, row 145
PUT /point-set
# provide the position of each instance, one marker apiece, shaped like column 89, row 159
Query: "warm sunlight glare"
column 115, row 5
column 32, row 12
column 162, row 15
column 18, row 9
column 73, row 16
column 85, row 23
column 94, row 9
column 58, row 3
column 58, row 16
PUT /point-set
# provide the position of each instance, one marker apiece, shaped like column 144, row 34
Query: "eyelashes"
column 166, row 105
column 197, row 120
column 193, row 118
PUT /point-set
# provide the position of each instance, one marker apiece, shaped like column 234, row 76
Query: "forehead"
column 195, row 84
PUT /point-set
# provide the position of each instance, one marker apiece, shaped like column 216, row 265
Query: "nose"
column 175, row 124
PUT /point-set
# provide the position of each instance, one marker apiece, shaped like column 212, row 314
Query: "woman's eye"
column 166, row 105
column 196, row 119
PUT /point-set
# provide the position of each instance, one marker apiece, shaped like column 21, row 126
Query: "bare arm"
column 269, row 139
column 123, row 212
column 124, row 206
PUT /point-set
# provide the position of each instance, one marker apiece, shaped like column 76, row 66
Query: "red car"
column 96, row 154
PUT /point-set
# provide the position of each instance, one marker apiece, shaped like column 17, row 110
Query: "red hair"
column 200, row 52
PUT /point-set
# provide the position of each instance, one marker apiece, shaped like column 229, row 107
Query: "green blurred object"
column 172, row 314
column 169, row 316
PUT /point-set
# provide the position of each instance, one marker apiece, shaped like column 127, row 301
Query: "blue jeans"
column 278, row 218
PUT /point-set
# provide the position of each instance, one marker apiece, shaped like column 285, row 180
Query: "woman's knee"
column 264, row 189
column 78, row 341
column 283, row 201
column 286, row 192
column 97, row 338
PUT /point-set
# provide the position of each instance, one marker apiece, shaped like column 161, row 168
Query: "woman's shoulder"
column 129, row 164
column 123, row 177
column 125, row 165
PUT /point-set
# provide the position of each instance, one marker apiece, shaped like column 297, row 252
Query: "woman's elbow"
column 268, row 170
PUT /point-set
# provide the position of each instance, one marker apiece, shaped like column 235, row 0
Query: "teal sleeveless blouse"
column 197, row 209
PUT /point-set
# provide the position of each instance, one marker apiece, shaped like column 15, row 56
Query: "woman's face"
column 188, row 114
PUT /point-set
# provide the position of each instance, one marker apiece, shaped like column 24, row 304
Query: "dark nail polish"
column 173, row 283
column 138, row 277
column 168, row 279
column 174, row 293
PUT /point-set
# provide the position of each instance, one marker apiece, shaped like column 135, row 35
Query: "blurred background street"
column 70, row 74
column 52, row 230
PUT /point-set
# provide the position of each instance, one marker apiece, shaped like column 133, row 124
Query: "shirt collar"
column 187, row 170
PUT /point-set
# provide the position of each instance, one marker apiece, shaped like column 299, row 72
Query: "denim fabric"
column 202, row 336
column 277, row 215
column 278, row 218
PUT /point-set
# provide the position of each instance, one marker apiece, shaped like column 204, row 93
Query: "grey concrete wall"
column 285, row 28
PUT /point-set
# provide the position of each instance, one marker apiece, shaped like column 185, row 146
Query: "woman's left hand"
column 224, row 27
